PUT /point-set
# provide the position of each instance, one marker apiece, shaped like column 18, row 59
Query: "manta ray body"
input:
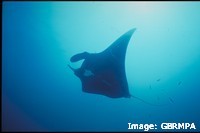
column 104, row 73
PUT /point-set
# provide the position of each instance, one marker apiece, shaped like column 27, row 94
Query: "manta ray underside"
column 104, row 73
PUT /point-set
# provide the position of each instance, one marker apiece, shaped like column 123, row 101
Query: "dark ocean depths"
column 41, row 93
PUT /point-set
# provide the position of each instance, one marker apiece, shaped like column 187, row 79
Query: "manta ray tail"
column 148, row 102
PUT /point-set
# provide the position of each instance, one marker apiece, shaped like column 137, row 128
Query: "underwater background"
column 41, row 93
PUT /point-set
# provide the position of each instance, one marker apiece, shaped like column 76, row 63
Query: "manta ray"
column 104, row 73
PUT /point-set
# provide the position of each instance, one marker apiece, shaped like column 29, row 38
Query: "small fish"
column 150, row 87
column 158, row 80
column 171, row 99
column 179, row 83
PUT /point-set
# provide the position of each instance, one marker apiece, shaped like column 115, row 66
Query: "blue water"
column 40, row 93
